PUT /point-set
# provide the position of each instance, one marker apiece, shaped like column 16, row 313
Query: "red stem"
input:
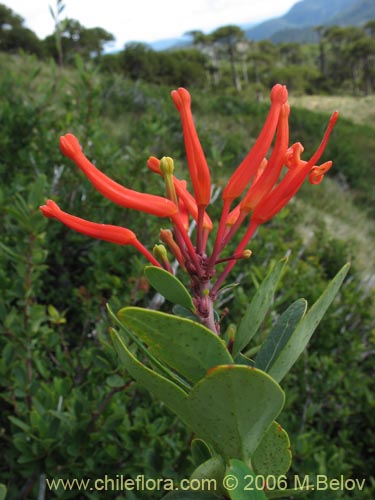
column 219, row 236
column 249, row 233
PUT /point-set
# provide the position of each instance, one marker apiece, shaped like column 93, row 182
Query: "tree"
column 262, row 57
column 94, row 39
column 361, row 54
column 351, row 57
column 139, row 61
column 370, row 28
column 14, row 36
column 322, row 56
column 229, row 37
column 76, row 39
column 204, row 44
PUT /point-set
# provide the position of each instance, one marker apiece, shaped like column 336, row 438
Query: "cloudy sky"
column 149, row 20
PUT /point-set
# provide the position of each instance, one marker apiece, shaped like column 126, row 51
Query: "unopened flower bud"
column 246, row 254
column 160, row 252
column 166, row 165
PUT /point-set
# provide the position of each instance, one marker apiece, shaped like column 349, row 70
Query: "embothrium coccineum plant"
column 258, row 189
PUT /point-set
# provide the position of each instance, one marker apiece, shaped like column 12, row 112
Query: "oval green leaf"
column 160, row 387
column 232, row 408
column 182, row 312
column 169, row 286
column 241, row 482
column 273, row 455
column 3, row 491
column 200, row 452
column 213, row 469
column 186, row 346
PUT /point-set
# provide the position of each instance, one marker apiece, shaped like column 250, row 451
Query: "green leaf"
column 273, row 455
column 213, row 468
column 220, row 408
column 200, row 452
column 186, row 346
column 184, row 313
column 279, row 335
column 302, row 334
column 8, row 251
column 42, row 369
column 241, row 482
column 241, row 359
column 155, row 362
column 3, row 491
column 115, row 381
column 169, row 286
column 232, row 408
column 160, row 387
column 258, row 307
column 19, row 423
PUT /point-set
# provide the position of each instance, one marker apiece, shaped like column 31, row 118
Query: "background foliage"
column 67, row 410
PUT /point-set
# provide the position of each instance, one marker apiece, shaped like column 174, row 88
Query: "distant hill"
column 167, row 43
column 297, row 24
column 359, row 13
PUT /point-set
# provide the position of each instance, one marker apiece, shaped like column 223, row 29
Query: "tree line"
column 342, row 61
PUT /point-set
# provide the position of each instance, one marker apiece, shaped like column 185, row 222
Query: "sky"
column 148, row 20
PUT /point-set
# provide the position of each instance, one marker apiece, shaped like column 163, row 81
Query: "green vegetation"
column 67, row 409
column 341, row 62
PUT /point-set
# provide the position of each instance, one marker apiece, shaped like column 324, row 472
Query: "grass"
column 357, row 109
column 333, row 204
column 332, row 201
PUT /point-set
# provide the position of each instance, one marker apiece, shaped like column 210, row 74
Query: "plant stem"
column 205, row 306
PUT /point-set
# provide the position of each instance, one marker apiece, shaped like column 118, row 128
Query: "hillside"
column 296, row 25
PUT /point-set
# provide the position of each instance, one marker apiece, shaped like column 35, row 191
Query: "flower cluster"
column 259, row 185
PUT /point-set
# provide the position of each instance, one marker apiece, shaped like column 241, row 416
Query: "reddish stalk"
column 247, row 236
column 218, row 245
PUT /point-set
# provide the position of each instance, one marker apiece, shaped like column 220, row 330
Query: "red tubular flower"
column 128, row 198
column 184, row 212
column 317, row 173
column 248, row 168
column 199, row 171
column 114, row 234
column 271, row 172
column 106, row 232
column 182, row 192
column 255, row 181
column 272, row 203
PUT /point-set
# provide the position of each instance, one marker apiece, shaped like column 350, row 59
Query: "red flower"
column 128, row 198
column 257, row 179
column 183, row 194
column 249, row 166
column 199, row 171
column 272, row 203
column 269, row 174
column 113, row 234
